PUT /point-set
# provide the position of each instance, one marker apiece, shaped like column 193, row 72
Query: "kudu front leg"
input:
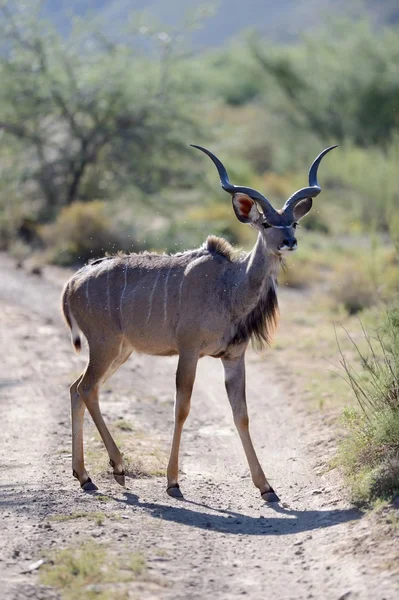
column 185, row 376
column 234, row 371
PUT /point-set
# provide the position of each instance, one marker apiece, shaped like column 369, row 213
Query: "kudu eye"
column 295, row 225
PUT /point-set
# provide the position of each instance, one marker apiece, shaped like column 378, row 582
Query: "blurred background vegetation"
column 99, row 103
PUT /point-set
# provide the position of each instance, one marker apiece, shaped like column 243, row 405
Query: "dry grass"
column 92, row 571
column 97, row 517
column 123, row 425
column 305, row 345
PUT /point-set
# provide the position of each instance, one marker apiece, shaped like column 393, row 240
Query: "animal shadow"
column 227, row 521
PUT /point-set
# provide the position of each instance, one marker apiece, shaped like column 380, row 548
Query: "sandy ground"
column 222, row 541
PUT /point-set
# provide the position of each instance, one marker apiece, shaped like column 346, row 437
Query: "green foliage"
column 368, row 184
column 84, row 231
column 190, row 228
column 333, row 81
column 369, row 454
column 365, row 274
column 316, row 221
column 88, row 117
column 353, row 288
column 221, row 70
column 74, row 569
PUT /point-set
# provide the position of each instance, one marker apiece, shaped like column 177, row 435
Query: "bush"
column 83, row 231
column 353, row 289
column 369, row 455
column 85, row 118
column 368, row 184
column 366, row 274
column 352, row 78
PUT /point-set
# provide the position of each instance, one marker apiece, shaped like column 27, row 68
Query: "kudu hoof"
column 270, row 496
column 89, row 486
column 174, row 491
column 120, row 478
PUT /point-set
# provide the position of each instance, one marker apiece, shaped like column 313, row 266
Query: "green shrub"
column 353, row 289
column 368, row 184
column 366, row 273
column 369, row 455
column 83, row 231
column 315, row 221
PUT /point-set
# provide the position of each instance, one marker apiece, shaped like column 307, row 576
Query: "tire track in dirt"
column 222, row 541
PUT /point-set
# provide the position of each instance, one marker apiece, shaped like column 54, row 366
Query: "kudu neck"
column 259, row 271
column 261, row 262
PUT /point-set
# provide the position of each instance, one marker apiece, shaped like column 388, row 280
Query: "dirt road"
column 222, row 541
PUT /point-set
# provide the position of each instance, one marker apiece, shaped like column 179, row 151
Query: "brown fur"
column 260, row 324
column 65, row 307
column 76, row 341
column 220, row 246
column 213, row 244
column 205, row 302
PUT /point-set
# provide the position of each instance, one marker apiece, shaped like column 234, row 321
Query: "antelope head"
column 277, row 227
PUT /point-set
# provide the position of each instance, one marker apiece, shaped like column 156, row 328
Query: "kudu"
column 204, row 302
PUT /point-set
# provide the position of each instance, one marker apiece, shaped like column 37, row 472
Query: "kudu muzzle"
column 289, row 243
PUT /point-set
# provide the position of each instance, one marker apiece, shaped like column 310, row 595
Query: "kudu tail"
column 71, row 322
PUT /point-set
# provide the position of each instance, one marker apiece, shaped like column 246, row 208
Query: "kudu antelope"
column 204, row 302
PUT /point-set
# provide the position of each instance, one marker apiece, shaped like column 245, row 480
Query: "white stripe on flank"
column 181, row 289
column 165, row 301
column 152, row 298
column 194, row 263
column 190, row 266
column 121, row 300
column 186, row 271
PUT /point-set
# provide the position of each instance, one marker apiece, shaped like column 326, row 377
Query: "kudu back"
column 204, row 302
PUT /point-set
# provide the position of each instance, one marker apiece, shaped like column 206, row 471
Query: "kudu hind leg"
column 100, row 365
column 78, row 408
column 185, row 376
column 235, row 386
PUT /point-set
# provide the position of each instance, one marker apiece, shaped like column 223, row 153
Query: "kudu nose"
column 290, row 242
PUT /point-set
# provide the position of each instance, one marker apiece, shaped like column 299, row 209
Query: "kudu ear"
column 245, row 209
column 302, row 208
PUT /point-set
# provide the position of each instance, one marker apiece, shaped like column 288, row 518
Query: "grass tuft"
column 124, row 425
column 92, row 571
column 97, row 517
column 143, row 455
column 369, row 455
